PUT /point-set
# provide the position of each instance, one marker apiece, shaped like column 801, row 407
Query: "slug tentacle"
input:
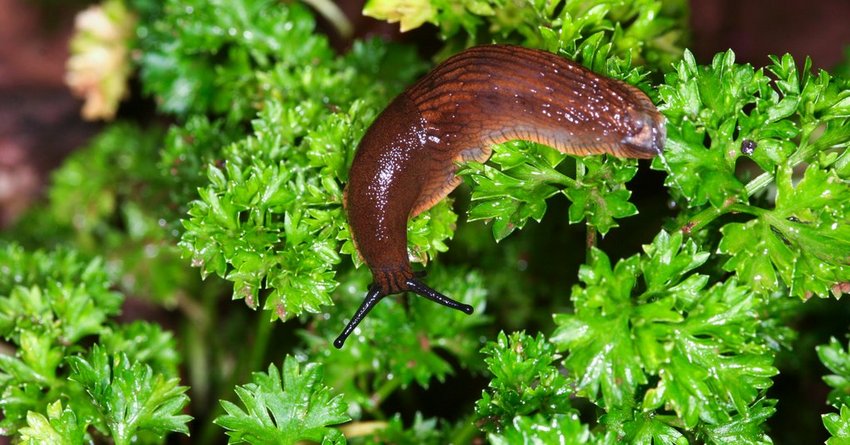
column 406, row 161
column 372, row 298
column 425, row 291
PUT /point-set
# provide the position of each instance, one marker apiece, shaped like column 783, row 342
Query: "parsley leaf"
column 836, row 358
column 684, row 347
column 525, row 382
column 60, row 427
column 130, row 397
column 536, row 430
column 298, row 407
column 838, row 426
column 804, row 241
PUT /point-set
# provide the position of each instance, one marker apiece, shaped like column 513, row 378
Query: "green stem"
column 580, row 170
column 560, row 179
column 465, row 434
column 759, row 183
column 261, row 344
column 381, row 394
column 708, row 215
column 803, row 154
column 197, row 367
column 748, row 209
column 763, row 180
column 202, row 369
column 250, row 363
column 703, row 218
column 589, row 241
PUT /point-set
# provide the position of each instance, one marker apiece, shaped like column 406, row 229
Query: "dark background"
column 40, row 125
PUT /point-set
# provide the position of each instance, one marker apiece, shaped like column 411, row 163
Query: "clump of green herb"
column 55, row 388
column 674, row 344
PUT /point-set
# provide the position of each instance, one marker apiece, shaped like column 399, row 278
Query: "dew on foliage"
column 522, row 265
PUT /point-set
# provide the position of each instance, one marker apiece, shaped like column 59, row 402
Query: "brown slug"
column 482, row 96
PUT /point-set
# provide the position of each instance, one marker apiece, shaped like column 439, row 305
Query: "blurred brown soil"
column 39, row 120
column 756, row 28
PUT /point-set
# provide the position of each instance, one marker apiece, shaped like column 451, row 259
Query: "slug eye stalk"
column 375, row 295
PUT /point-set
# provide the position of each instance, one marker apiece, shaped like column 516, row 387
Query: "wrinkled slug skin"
column 405, row 162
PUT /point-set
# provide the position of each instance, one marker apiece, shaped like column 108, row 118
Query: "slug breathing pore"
column 482, row 96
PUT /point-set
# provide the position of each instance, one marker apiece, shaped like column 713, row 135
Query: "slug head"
column 647, row 131
column 375, row 295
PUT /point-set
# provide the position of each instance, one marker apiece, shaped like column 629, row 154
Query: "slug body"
column 485, row 95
